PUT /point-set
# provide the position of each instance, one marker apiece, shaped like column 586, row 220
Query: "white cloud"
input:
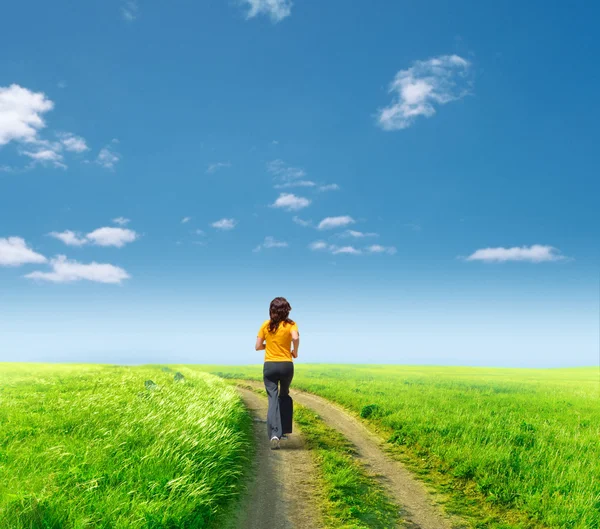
column 333, row 249
column 277, row 10
column 118, row 237
column 107, row 236
column 318, row 245
column 72, row 142
column 46, row 156
column 335, row 222
column 344, row 249
column 70, row 238
column 185, row 220
column 64, row 271
column 286, row 173
column 422, row 87
column 108, row 157
column 377, row 248
column 301, row 222
column 350, row 250
column 358, row 234
column 298, row 183
column 214, row 167
column 15, row 252
column 121, row 221
column 224, row 224
column 329, row 187
column 130, row 10
column 534, row 254
column 21, row 112
column 21, row 120
column 200, row 232
column 271, row 242
column 290, row 202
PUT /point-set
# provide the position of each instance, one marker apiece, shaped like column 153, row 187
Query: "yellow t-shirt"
column 279, row 343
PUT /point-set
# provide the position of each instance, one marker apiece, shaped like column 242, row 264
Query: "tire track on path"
column 420, row 508
column 281, row 491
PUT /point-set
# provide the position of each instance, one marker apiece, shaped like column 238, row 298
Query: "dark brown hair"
column 279, row 312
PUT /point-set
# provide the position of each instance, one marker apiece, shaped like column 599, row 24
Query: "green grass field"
column 514, row 447
column 91, row 446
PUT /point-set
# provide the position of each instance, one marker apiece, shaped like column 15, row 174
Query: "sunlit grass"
column 92, row 446
column 513, row 447
column 353, row 498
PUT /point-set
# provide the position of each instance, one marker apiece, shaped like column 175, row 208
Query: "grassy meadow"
column 95, row 446
column 515, row 448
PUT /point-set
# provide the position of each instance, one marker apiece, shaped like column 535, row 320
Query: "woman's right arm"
column 296, row 342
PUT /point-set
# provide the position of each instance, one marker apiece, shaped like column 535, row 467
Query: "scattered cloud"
column 350, row 250
column 121, row 221
column 224, row 224
column 64, row 270
column 422, row 87
column 15, row 252
column 108, row 157
column 533, row 254
column 46, row 156
column 298, row 183
column 185, row 220
column 21, row 114
column 329, row 187
column 283, row 172
column 70, row 238
column 277, row 10
column 318, row 245
column 344, row 249
column 377, row 248
column 118, row 237
column 107, row 236
column 270, row 242
column 62, row 84
column 335, row 222
column 73, row 143
column 214, row 167
column 200, row 232
column 358, row 234
column 22, row 119
column 301, row 222
column 130, row 10
column 290, row 202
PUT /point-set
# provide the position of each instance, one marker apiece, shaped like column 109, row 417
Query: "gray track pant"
column 281, row 406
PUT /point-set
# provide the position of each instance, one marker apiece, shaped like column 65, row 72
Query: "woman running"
column 275, row 337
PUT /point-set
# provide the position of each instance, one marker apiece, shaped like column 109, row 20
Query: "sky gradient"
column 420, row 182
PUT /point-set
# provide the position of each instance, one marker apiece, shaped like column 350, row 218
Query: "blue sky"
column 420, row 181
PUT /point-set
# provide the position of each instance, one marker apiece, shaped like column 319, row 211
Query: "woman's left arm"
column 260, row 344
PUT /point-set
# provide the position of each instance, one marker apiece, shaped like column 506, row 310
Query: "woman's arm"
column 260, row 344
column 296, row 342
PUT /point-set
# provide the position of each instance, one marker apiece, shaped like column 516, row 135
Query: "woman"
column 275, row 337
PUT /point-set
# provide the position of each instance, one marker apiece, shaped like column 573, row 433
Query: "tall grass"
column 92, row 446
column 517, row 440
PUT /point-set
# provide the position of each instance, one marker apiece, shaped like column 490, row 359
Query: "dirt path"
column 281, row 493
column 419, row 506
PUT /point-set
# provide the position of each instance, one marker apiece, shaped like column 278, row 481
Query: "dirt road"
column 420, row 507
column 281, row 493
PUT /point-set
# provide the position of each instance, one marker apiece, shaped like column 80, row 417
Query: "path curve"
column 420, row 508
column 281, row 492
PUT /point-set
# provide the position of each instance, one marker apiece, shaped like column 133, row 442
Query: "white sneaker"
column 274, row 443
